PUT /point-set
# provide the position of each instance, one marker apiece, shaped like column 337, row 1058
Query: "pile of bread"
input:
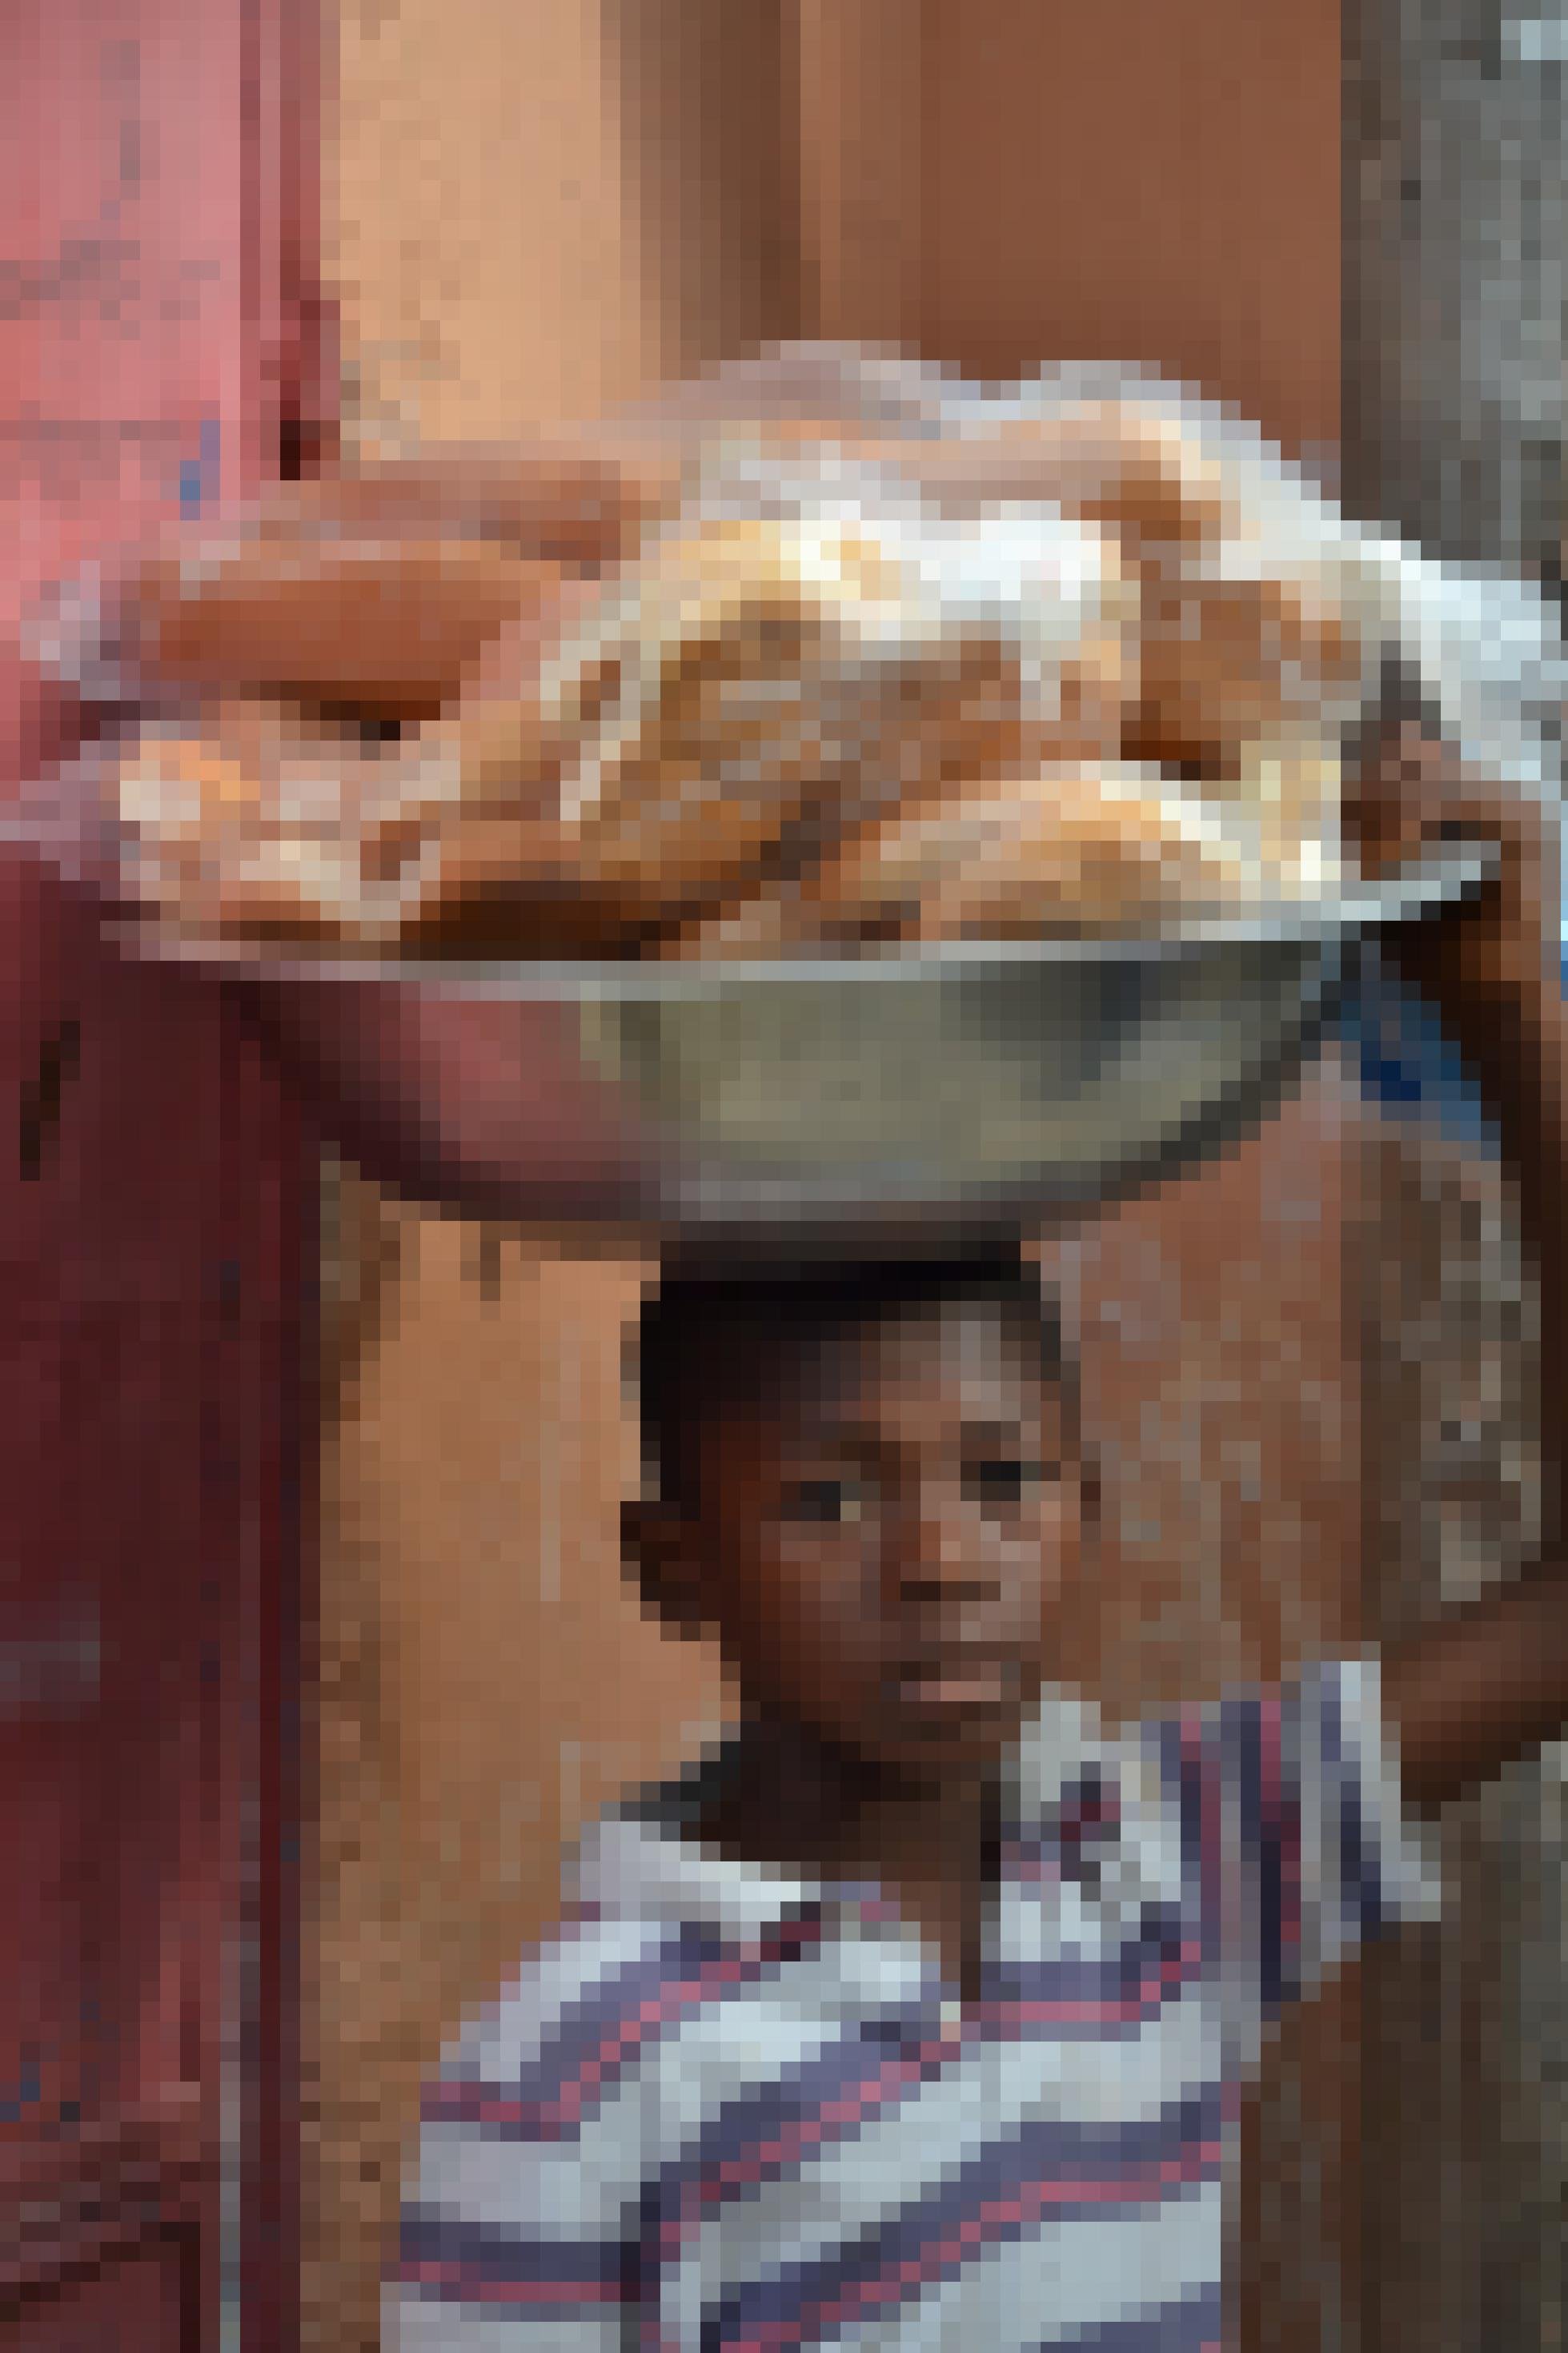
column 785, row 688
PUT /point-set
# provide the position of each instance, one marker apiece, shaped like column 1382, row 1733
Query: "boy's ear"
column 661, row 1556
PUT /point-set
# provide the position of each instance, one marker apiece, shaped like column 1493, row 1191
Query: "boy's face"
column 878, row 1546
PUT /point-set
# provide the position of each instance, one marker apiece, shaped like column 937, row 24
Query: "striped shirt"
column 724, row 2112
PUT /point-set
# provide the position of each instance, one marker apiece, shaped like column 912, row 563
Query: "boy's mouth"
column 958, row 1683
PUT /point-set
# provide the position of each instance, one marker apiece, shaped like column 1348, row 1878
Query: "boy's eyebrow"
column 848, row 1437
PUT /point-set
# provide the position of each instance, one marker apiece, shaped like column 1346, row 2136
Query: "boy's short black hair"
column 704, row 1338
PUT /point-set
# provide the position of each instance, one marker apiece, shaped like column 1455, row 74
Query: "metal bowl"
column 887, row 1098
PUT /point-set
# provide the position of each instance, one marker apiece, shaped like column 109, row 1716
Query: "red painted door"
column 153, row 204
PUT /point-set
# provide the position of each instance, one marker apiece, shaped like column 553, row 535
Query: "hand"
column 1500, row 950
column 483, row 1107
column 1492, row 968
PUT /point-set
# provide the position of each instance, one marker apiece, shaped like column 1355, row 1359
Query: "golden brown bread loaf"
column 583, row 504
column 1073, row 849
column 1139, row 477
column 743, row 695
column 382, row 626
column 377, row 585
column 1235, row 669
column 248, row 822
column 1237, row 666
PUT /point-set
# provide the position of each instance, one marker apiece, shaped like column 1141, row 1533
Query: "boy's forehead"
column 974, row 1353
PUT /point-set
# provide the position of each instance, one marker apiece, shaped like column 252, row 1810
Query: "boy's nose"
column 928, row 1552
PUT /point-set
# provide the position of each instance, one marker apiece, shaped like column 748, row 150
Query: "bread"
column 259, row 823
column 582, row 504
column 494, row 754
column 778, row 679
column 1070, row 849
column 1048, row 682
column 1235, row 670
column 248, row 822
column 1238, row 661
column 385, row 626
column 1141, row 478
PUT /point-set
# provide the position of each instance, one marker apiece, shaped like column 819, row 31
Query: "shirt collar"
column 1063, row 1737
column 640, row 1860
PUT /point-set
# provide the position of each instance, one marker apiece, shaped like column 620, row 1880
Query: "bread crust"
column 1074, row 849
column 383, row 626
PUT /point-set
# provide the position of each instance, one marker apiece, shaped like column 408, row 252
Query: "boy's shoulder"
column 646, row 1912
column 647, row 1908
column 584, row 1957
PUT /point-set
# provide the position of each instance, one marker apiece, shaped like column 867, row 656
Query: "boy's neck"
column 796, row 1804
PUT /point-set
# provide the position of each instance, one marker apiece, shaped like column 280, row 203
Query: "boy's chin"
column 935, row 1746
column 940, row 1754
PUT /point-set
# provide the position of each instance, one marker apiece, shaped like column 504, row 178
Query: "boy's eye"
column 1001, row 1481
column 827, row 1503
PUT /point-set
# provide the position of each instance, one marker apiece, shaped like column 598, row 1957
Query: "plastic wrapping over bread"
column 800, row 652
column 1166, row 468
column 864, row 655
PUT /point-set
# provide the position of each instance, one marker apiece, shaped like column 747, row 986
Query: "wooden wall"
column 154, row 1246
column 540, row 208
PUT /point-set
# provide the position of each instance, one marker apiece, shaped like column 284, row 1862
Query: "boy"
column 916, row 2017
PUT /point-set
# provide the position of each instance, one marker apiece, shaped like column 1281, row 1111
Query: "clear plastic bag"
column 817, row 434
column 1484, row 650
column 821, row 436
